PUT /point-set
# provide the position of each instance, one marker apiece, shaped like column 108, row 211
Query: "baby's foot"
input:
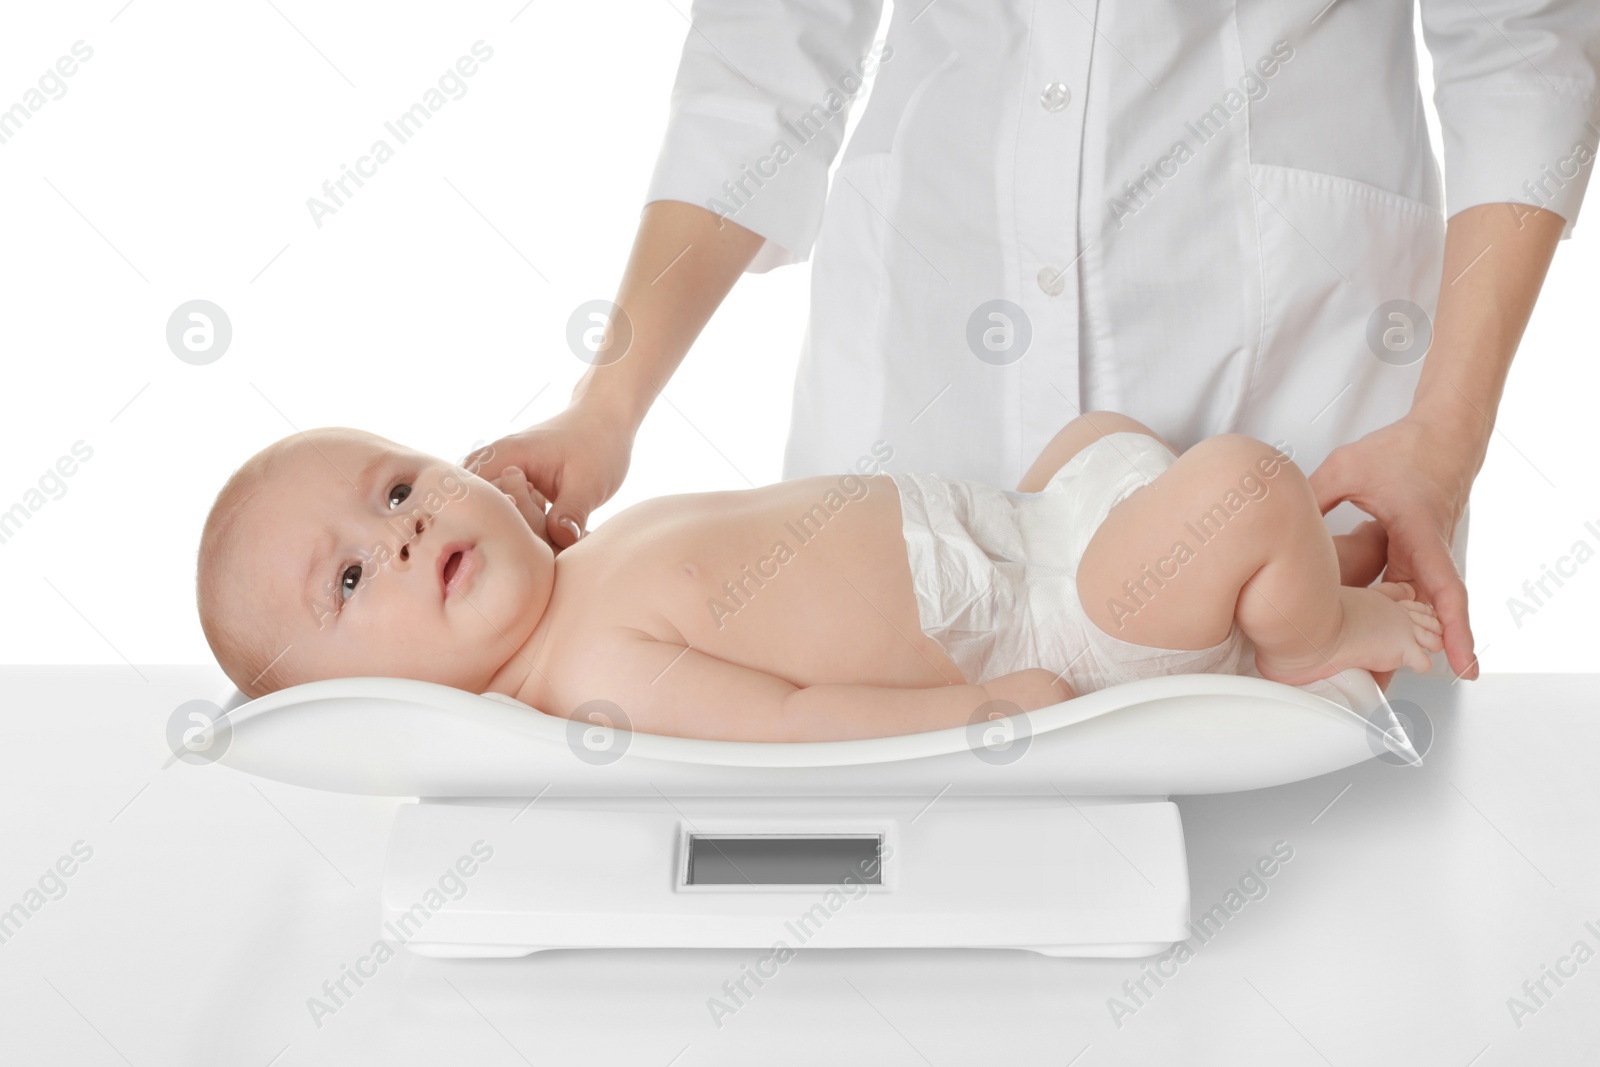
column 1382, row 628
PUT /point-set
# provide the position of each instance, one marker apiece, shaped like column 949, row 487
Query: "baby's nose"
column 405, row 549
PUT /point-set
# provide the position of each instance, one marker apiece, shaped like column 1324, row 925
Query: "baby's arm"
column 840, row 712
column 669, row 689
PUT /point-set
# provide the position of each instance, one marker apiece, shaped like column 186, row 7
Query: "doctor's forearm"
column 685, row 259
column 1495, row 260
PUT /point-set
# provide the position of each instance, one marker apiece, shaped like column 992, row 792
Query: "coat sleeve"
column 758, row 111
column 1515, row 87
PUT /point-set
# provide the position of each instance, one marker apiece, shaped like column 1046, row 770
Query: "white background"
column 432, row 307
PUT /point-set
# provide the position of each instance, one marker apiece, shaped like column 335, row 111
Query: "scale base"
column 1081, row 877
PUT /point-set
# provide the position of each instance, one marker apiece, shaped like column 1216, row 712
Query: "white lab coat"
column 1029, row 151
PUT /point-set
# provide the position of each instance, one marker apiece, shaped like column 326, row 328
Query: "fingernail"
column 566, row 520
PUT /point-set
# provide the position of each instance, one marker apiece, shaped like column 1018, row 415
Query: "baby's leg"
column 1362, row 552
column 1073, row 438
column 1230, row 531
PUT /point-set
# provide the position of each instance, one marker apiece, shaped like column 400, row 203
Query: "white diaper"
column 995, row 571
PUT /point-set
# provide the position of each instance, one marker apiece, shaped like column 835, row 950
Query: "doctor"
column 1217, row 216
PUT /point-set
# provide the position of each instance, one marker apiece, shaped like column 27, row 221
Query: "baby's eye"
column 347, row 583
column 348, row 580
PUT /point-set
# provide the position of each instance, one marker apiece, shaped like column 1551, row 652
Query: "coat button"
column 1055, row 96
column 1052, row 281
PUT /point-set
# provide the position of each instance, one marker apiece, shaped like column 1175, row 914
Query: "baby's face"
column 370, row 559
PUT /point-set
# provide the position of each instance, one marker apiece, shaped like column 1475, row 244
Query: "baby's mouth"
column 457, row 562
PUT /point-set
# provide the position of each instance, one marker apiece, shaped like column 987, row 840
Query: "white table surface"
column 215, row 904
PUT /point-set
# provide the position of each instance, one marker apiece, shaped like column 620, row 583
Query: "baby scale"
column 1051, row 831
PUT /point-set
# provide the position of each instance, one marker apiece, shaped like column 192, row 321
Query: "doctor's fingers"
column 1419, row 553
column 526, row 449
column 577, row 459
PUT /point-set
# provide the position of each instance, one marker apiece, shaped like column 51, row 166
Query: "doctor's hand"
column 575, row 460
column 1415, row 481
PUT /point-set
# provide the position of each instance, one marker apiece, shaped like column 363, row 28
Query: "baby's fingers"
column 529, row 501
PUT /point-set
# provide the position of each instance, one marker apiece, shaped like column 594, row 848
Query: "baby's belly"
column 799, row 580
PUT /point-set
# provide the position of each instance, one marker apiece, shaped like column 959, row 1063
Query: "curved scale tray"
column 1179, row 734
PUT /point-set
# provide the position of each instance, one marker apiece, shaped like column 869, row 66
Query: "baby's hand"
column 1030, row 689
column 529, row 501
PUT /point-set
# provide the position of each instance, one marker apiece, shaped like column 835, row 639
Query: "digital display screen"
column 784, row 859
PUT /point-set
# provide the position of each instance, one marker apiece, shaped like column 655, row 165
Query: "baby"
column 822, row 608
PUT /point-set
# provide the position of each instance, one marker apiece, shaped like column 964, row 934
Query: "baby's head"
column 335, row 553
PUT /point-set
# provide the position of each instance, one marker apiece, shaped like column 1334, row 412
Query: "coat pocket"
column 1348, row 284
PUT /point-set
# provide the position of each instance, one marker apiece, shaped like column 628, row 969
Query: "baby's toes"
column 1417, row 658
